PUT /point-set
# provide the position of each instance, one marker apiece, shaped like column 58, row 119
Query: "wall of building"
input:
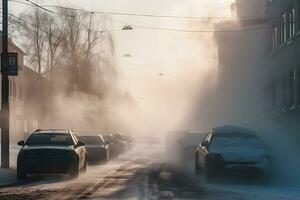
column 282, row 77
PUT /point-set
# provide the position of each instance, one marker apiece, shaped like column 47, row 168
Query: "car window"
column 236, row 140
column 92, row 140
column 49, row 139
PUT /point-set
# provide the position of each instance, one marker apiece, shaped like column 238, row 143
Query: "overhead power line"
column 139, row 14
column 45, row 9
column 136, row 26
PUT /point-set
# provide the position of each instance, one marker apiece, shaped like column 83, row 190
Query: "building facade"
column 241, row 55
column 27, row 101
column 16, row 94
column 282, row 75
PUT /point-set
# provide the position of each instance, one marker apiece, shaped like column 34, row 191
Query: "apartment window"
column 284, row 92
column 273, row 96
column 292, row 84
column 292, row 23
column 282, row 28
column 274, row 39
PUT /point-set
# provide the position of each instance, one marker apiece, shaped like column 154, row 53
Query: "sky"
column 166, row 69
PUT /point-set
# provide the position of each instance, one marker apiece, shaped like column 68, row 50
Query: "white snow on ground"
column 14, row 150
column 8, row 177
column 260, row 192
column 246, row 191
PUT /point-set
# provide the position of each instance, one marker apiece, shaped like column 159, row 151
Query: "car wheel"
column 75, row 170
column 21, row 175
column 197, row 168
column 84, row 167
column 209, row 175
column 107, row 155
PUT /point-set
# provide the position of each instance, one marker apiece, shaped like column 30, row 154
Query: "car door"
column 203, row 151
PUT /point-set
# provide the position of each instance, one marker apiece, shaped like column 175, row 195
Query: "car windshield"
column 236, row 140
column 91, row 140
column 49, row 139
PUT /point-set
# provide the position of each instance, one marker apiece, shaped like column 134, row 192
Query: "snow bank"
column 7, row 177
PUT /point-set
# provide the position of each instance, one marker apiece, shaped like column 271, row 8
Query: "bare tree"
column 70, row 46
column 35, row 38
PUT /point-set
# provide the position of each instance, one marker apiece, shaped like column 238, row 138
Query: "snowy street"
column 140, row 174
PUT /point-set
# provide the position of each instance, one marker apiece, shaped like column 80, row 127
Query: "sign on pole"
column 12, row 65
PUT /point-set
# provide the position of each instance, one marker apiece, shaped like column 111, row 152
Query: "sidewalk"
column 7, row 177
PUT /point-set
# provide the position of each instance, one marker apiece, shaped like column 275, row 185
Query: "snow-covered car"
column 97, row 148
column 51, row 152
column 232, row 149
column 188, row 144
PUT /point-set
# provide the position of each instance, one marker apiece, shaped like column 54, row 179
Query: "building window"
column 292, row 23
column 284, row 92
column 274, row 39
column 273, row 96
column 292, row 84
column 283, row 28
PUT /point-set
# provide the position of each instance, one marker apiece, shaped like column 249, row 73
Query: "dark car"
column 51, row 152
column 130, row 141
column 231, row 150
column 97, row 148
column 113, row 145
column 120, row 142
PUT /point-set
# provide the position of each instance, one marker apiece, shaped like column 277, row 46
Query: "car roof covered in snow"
column 232, row 130
column 52, row 131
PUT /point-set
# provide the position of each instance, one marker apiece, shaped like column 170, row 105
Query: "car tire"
column 21, row 174
column 74, row 173
column 84, row 168
column 107, row 155
column 197, row 167
column 209, row 175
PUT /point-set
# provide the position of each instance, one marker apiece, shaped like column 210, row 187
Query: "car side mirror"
column 21, row 143
column 80, row 144
column 204, row 143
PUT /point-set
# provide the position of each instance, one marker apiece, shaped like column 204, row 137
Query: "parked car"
column 97, row 148
column 113, row 145
column 130, row 141
column 188, row 144
column 232, row 149
column 120, row 142
column 51, row 152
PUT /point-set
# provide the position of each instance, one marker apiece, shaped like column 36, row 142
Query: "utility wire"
column 151, row 27
column 141, row 15
column 161, row 16
column 45, row 9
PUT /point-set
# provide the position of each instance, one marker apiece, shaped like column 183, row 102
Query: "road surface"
column 141, row 173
